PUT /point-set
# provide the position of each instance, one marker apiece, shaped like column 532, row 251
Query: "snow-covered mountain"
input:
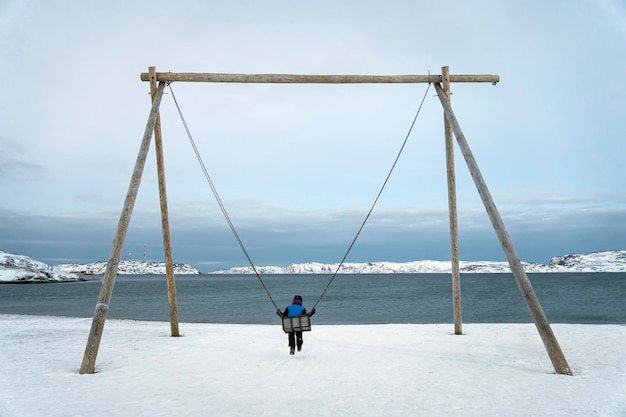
column 16, row 268
column 129, row 267
column 608, row 261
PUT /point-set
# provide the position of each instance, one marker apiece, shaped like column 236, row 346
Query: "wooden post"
column 106, row 290
column 454, row 235
column 165, row 223
column 528, row 294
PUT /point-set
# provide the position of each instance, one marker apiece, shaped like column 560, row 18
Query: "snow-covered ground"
column 368, row 370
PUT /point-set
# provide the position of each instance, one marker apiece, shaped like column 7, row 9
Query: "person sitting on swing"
column 295, row 309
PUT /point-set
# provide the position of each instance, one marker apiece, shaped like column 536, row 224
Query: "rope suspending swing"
column 218, row 199
column 234, row 230
column 406, row 138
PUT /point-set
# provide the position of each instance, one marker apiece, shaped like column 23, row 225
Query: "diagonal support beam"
column 106, row 290
column 541, row 322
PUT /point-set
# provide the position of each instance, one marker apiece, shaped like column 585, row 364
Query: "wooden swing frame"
column 451, row 126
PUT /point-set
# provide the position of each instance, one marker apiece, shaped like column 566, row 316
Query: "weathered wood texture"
column 315, row 79
column 452, row 212
column 165, row 222
column 108, row 282
column 528, row 294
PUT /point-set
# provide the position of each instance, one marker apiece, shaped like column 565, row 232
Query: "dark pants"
column 295, row 337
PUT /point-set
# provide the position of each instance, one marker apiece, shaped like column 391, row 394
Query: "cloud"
column 14, row 161
column 298, row 165
column 279, row 237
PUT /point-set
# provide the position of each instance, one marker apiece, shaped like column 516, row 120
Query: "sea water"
column 591, row 298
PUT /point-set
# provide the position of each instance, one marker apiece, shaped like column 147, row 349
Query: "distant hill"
column 128, row 267
column 608, row 261
column 18, row 269
column 15, row 268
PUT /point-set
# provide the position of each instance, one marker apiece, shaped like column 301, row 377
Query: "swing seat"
column 297, row 324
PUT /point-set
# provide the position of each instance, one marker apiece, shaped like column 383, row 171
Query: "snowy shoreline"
column 348, row 370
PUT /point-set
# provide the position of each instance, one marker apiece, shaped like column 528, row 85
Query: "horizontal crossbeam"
column 315, row 79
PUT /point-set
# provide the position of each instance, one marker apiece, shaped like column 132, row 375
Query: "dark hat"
column 297, row 297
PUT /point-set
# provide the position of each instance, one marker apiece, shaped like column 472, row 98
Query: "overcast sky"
column 298, row 166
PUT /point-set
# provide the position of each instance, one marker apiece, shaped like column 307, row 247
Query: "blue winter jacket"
column 294, row 310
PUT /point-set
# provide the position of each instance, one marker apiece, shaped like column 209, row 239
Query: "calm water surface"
column 592, row 298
